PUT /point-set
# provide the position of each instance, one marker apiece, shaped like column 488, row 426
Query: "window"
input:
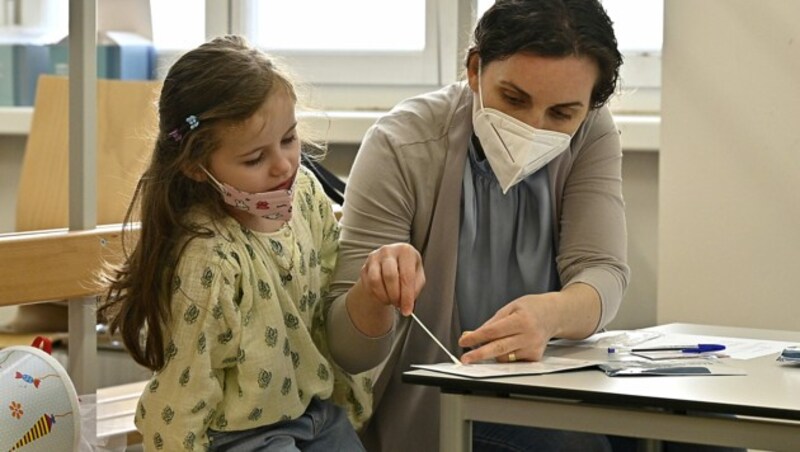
column 639, row 28
column 178, row 24
column 43, row 15
column 364, row 54
column 391, row 26
column 369, row 42
column 402, row 48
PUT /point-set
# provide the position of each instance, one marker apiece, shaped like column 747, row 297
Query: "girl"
column 223, row 295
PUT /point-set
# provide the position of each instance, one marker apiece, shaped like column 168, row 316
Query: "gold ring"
column 512, row 357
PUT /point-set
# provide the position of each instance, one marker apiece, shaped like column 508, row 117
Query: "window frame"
column 449, row 29
column 337, row 67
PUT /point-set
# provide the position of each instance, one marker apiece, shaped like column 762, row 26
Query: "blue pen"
column 694, row 348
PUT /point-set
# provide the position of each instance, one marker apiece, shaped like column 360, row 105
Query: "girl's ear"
column 194, row 172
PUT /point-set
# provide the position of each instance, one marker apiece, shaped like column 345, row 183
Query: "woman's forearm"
column 578, row 311
column 371, row 318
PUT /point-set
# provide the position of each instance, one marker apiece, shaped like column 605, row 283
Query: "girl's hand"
column 393, row 275
column 522, row 327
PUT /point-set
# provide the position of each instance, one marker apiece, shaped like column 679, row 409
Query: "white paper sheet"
column 548, row 364
column 625, row 338
column 737, row 348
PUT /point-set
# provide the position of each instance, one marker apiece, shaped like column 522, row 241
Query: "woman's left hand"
column 517, row 332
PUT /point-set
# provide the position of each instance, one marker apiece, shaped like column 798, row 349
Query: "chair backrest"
column 334, row 186
column 50, row 265
column 126, row 126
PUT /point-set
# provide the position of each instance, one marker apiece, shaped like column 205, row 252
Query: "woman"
column 509, row 186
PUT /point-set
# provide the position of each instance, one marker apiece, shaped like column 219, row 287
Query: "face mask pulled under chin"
column 272, row 205
column 514, row 149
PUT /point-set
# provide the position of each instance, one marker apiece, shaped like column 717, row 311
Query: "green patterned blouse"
column 247, row 340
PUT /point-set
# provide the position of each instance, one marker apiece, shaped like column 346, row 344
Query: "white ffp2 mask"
column 514, row 149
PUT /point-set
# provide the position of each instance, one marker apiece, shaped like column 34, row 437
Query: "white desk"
column 766, row 402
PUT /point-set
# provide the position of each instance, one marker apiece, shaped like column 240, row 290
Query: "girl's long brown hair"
column 222, row 82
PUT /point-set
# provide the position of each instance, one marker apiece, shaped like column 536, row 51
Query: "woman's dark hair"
column 219, row 84
column 551, row 28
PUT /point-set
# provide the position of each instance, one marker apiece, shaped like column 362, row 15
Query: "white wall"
column 640, row 190
column 729, row 230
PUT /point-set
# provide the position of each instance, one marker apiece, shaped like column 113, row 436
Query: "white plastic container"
column 39, row 408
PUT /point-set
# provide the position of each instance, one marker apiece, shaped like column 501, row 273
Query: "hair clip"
column 192, row 121
column 177, row 134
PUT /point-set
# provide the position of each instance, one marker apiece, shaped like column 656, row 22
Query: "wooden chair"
column 40, row 266
column 60, row 265
column 126, row 126
column 127, row 121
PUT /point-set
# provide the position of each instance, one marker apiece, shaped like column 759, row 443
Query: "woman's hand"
column 521, row 329
column 391, row 277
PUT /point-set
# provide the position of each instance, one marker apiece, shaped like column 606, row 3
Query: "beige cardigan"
column 405, row 186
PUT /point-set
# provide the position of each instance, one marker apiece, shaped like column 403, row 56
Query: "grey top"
column 405, row 186
column 505, row 242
